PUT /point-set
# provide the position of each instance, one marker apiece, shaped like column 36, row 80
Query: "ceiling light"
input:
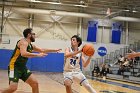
column 81, row 5
column 56, row 3
column 35, row 1
column 126, row 10
column 134, row 11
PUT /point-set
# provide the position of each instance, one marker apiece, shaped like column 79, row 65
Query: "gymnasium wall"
column 61, row 30
column 134, row 32
column 56, row 27
column 53, row 59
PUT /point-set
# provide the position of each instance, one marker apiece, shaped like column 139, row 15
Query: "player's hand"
column 58, row 50
column 130, row 55
column 42, row 54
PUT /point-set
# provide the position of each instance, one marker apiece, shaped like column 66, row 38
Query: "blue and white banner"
column 92, row 31
column 102, row 51
column 116, row 32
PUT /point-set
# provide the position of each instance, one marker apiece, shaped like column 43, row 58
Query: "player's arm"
column 85, row 61
column 37, row 49
column 133, row 55
column 70, row 54
column 23, row 46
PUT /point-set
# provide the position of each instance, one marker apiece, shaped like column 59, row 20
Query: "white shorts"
column 74, row 76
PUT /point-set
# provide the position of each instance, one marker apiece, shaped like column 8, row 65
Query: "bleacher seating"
column 114, row 76
column 134, row 78
column 137, row 66
column 130, row 73
column 127, row 73
column 134, row 70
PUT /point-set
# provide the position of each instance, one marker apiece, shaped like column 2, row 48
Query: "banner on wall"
column 102, row 51
column 92, row 31
column 116, row 32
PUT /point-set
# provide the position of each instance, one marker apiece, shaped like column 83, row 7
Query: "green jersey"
column 17, row 60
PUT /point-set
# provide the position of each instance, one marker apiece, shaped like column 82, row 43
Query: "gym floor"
column 53, row 83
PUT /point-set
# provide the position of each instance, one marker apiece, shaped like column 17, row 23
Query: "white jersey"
column 72, row 63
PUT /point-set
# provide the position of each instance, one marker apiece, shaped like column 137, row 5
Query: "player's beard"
column 32, row 39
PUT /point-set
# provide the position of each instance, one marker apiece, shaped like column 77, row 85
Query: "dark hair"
column 78, row 39
column 27, row 31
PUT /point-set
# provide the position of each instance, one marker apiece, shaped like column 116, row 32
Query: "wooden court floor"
column 53, row 83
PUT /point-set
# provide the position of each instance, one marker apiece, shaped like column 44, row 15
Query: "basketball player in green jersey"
column 72, row 71
column 17, row 66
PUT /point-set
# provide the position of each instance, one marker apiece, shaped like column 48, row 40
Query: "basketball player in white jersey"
column 72, row 71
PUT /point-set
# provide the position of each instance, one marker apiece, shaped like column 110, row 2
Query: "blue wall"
column 53, row 62
column 5, row 56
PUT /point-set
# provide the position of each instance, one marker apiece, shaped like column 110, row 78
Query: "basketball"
column 88, row 49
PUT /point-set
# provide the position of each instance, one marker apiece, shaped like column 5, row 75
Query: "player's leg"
column 88, row 87
column 68, row 82
column 68, row 89
column 30, row 79
column 81, row 79
column 13, row 81
column 12, row 87
column 33, row 83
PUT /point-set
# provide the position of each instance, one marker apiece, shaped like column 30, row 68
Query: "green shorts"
column 16, row 74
